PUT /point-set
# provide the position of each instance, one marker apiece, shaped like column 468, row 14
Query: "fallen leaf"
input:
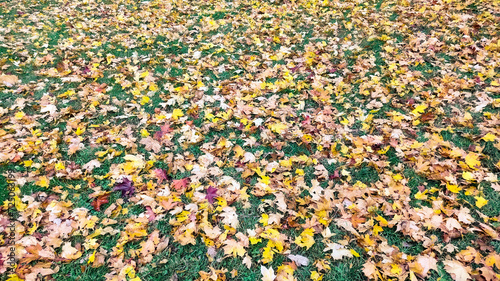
column 161, row 175
column 151, row 144
column 180, row 184
column 211, row 194
column 126, row 187
column 8, row 80
column 91, row 165
column 69, row 252
column 338, row 251
column 480, row 201
column 457, row 270
column 100, row 200
column 267, row 273
column 299, row 260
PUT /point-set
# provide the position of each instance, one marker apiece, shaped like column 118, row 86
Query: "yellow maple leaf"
column 421, row 195
column 60, row 166
column 453, row 188
column 19, row 115
column 254, row 240
column 144, row 133
column 489, row 137
column 267, row 254
column 239, row 151
column 32, row 229
column 490, row 260
column 177, row 113
column 153, row 87
column 20, row 206
column 480, row 201
column 14, row 277
column 384, row 37
column 288, row 163
column 92, row 257
column 377, row 229
column 80, row 130
column 471, row 160
column 354, row 253
column 419, row 109
column 382, row 221
column 43, row 181
column 144, row 100
column 396, row 269
column 264, row 219
column 278, row 127
column 393, row 66
column 316, row 276
column 384, row 150
column 397, row 177
column 305, row 239
column 468, row 176
column 389, row 49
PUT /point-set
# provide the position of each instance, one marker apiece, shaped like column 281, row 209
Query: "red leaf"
column 211, row 194
column 335, row 175
column 161, row 175
column 126, row 187
column 165, row 129
column 151, row 214
column 100, row 200
column 428, row 116
column 180, row 184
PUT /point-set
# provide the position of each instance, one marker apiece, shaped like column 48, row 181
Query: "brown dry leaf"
column 370, row 270
column 490, row 231
column 91, row 165
column 425, row 263
column 234, row 248
column 69, row 252
column 40, row 269
column 299, row 260
column 151, row 144
column 457, row 270
column 8, row 80
column 100, row 200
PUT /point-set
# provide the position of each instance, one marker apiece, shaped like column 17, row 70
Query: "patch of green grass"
column 74, row 272
column 366, row 174
column 492, row 208
column 4, row 188
column 401, row 241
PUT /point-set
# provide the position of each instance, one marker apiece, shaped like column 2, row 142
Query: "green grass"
column 349, row 40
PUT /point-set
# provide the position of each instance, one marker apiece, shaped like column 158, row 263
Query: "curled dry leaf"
column 100, row 200
column 457, row 270
column 8, row 80
column 299, row 260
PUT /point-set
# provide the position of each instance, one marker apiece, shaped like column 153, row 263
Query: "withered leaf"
column 99, row 201
column 126, row 187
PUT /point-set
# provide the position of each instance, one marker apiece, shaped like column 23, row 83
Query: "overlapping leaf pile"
column 281, row 140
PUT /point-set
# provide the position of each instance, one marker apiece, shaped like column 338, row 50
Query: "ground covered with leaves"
column 248, row 140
